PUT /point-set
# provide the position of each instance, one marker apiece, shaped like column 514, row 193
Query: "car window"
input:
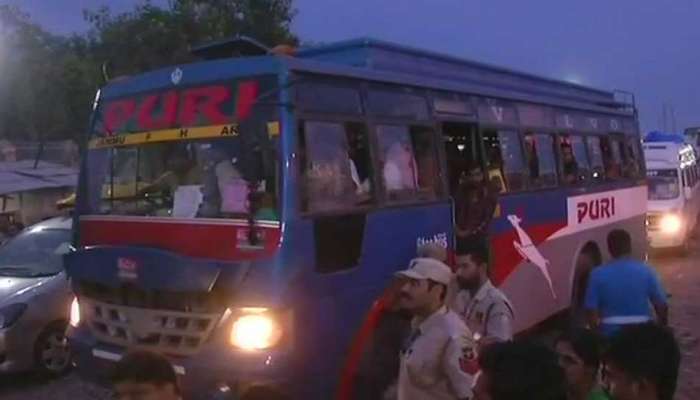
column 35, row 252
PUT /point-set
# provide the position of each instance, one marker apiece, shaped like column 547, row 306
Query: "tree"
column 154, row 37
column 47, row 81
column 43, row 82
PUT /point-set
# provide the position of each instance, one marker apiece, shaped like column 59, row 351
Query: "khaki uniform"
column 489, row 313
column 438, row 361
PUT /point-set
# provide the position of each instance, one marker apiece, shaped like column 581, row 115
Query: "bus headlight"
column 256, row 329
column 74, row 313
column 670, row 223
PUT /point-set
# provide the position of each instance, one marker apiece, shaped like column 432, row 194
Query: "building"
column 29, row 190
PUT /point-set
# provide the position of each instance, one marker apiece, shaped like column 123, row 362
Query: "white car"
column 35, row 299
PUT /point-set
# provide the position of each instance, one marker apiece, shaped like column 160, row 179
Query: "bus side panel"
column 536, row 238
column 334, row 306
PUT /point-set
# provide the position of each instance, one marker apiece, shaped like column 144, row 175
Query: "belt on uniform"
column 626, row 320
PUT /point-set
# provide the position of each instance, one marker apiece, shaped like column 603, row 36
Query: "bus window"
column 633, row 160
column 574, row 159
column 505, row 158
column 612, row 160
column 461, row 148
column 407, row 159
column 541, row 159
column 595, row 154
column 335, row 166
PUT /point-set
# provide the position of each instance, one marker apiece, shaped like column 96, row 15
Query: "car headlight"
column 10, row 314
column 74, row 313
column 256, row 329
column 671, row 223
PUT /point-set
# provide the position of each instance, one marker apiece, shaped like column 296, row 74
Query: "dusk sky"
column 649, row 47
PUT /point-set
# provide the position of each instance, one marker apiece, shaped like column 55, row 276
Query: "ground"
column 681, row 276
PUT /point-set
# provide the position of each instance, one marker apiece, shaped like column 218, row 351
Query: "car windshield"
column 663, row 184
column 35, row 252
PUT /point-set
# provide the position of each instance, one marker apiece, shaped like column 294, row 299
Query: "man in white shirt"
column 438, row 361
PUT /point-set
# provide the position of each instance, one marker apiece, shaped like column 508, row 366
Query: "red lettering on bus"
column 168, row 115
column 582, row 209
column 247, row 93
column 206, row 101
column 118, row 113
column 595, row 209
column 605, row 208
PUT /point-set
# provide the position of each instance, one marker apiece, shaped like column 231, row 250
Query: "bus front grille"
column 169, row 332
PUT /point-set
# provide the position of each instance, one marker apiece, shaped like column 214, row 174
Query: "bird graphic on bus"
column 530, row 252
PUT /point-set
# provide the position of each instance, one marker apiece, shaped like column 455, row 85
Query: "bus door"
column 461, row 151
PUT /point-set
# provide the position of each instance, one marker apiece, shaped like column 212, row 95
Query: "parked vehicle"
column 674, row 190
column 35, row 299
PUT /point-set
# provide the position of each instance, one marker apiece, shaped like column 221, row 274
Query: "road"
column 681, row 276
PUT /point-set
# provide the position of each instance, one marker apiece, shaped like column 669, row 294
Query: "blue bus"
column 245, row 215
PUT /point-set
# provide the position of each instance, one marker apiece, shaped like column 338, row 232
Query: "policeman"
column 484, row 308
column 438, row 360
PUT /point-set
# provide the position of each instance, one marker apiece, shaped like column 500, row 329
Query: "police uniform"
column 438, row 361
column 488, row 313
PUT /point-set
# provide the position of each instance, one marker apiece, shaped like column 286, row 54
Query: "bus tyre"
column 587, row 260
column 52, row 355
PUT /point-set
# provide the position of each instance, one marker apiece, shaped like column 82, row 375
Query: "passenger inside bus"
column 475, row 202
column 327, row 167
column 574, row 158
column 569, row 165
column 611, row 158
column 359, row 158
column 399, row 167
column 181, row 170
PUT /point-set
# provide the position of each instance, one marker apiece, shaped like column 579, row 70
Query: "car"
column 35, row 299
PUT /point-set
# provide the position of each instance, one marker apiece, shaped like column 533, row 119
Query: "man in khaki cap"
column 438, row 361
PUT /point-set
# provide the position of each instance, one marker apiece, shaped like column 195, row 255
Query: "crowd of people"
column 624, row 352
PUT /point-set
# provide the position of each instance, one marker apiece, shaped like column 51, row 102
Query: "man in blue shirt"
column 623, row 291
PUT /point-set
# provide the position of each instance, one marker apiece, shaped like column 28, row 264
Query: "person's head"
column 619, row 243
column 425, row 285
column 472, row 266
column 642, row 363
column 512, row 370
column 179, row 161
column 144, row 375
column 579, row 356
column 567, row 154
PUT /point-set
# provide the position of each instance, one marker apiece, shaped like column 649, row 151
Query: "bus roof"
column 380, row 61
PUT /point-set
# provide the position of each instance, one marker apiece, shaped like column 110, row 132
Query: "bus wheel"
column 588, row 259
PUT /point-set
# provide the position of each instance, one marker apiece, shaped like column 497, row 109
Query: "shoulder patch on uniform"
column 469, row 359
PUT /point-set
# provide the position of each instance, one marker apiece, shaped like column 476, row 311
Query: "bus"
column 245, row 216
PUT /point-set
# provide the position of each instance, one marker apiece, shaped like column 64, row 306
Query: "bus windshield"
column 212, row 154
column 663, row 184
